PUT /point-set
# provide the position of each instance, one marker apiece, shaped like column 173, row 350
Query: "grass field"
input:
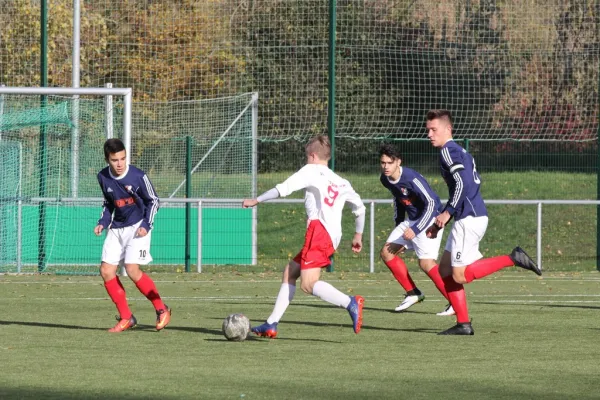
column 535, row 338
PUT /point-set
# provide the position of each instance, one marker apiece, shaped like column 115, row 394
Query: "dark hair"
column 387, row 149
column 440, row 114
column 112, row 146
column 319, row 145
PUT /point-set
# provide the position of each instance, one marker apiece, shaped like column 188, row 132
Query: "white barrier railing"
column 201, row 202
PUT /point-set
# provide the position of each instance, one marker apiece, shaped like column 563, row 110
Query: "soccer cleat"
column 355, row 309
column 124, row 324
column 449, row 310
column 266, row 330
column 459, row 329
column 410, row 301
column 163, row 317
column 521, row 259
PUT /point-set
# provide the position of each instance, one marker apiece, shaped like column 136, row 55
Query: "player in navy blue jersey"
column 462, row 262
column 130, row 205
column 412, row 196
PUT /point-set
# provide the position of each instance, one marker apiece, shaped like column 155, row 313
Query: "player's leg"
column 137, row 252
column 291, row 273
column 111, row 254
column 456, row 292
column 311, row 284
column 427, row 251
column 477, row 267
column 389, row 254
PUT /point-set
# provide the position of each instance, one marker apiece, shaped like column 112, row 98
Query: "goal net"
column 52, row 150
column 51, row 141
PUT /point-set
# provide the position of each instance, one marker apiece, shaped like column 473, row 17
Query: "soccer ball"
column 236, row 327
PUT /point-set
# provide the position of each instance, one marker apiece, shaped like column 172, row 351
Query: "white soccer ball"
column 236, row 327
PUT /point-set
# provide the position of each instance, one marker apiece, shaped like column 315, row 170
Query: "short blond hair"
column 319, row 145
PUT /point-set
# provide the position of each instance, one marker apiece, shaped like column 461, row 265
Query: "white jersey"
column 326, row 194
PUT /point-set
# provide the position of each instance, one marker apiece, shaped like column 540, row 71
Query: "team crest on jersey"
column 404, row 191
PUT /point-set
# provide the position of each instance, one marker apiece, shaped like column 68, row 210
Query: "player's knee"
column 385, row 254
column 426, row 264
column 107, row 271
column 307, row 287
column 459, row 277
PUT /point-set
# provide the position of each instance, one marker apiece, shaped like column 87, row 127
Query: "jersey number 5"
column 332, row 194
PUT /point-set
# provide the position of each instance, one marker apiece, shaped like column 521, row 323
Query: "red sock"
column 434, row 275
column 400, row 272
column 115, row 290
column 486, row 266
column 458, row 299
column 146, row 286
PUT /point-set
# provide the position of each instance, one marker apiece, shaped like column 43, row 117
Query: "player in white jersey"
column 325, row 196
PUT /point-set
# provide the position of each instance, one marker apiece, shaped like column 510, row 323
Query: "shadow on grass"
column 364, row 327
column 50, row 325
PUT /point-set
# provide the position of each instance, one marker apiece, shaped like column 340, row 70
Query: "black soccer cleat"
column 521, row 259
column 459, row 329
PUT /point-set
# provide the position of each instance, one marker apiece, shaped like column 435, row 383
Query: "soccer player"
column 325, row 196
column 412, row 196
column 461, row 261
column 130, row 204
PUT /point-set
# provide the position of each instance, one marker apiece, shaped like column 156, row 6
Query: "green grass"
column 536, row 338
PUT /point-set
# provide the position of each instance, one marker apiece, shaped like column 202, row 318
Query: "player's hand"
column 442, row 219
column 247, row 203
column 432, row 231
column 98, row 230
column 141, row 232
column 357, row 242
column 409, row 234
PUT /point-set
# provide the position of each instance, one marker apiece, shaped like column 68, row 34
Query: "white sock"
column 325, row 291
column 285, row 296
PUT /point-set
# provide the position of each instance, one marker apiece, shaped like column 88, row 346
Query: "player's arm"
column 106, row 215
column 429, row 206
column 457, row 194
column 151, row 203
column 296, row 182
column 358, row 210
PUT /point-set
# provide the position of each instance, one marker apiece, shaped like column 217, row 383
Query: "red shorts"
column 317, row 247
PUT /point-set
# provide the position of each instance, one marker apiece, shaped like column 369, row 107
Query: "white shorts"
column 463, row 240
column 123, row 244
column 424, row 247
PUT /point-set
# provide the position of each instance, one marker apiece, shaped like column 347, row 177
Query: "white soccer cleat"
column 410, row 301
column 449, row 310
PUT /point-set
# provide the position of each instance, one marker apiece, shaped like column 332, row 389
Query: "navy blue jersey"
column 459, row 172
column 128, row 199
column 413, row 196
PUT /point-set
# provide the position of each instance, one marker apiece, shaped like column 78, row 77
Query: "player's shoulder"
column 135, row 172
column 104, row 173
column 452, row 153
